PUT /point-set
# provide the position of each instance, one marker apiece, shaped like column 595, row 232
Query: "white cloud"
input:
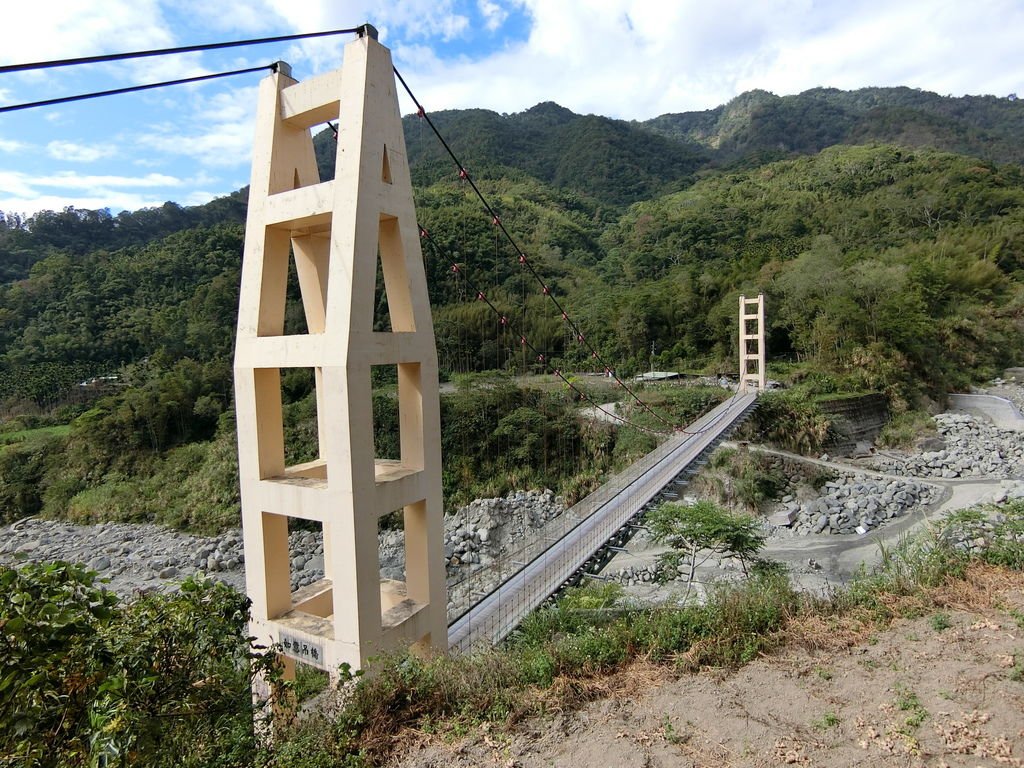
column 162, row 69
column 944, row 47
column 42, row 30
column 637, row 59
column 10, row 145
column 26, row 185
column 70, row 180
column 622, row 58
column 79, row 153
column 27, row 194
column 494, row 15
column 218, row 133
column 199, row 197
column 113, row 199
column 16, row 184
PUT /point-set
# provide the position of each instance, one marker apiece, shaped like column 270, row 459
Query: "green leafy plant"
column 701, row 531
column 826, row 721
column 904, row 428
column 164, row 680
column 907, row 701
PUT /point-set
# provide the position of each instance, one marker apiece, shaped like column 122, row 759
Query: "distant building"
column 658, row 376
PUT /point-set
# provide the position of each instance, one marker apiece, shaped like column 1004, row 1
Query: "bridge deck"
column 604, row 513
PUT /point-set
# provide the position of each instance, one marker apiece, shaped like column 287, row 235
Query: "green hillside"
column 886, row 268
column 761, row 125
column 613, row 162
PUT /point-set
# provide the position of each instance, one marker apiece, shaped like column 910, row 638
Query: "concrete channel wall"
column 998, row 410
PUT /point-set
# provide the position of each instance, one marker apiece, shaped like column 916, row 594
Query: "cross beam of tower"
column 337, row 233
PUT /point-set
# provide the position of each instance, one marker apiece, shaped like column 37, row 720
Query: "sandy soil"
column 943, row 689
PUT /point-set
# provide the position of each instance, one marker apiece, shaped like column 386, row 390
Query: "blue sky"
column 631, row 59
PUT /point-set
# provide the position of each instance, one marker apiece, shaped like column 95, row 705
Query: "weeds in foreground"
column 564, row 656
column 905, row 428
column 1017, row 670
column 827, row 720
column 907, row 701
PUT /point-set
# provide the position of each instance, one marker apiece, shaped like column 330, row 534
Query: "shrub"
column 788, row 419
column 162, row 681
column 746, row 478
column 904, row 428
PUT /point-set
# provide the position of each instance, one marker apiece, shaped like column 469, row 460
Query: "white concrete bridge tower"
column 337, row 234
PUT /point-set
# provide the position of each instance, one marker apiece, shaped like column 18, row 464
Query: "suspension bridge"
column 339, row 235
column 603, row 521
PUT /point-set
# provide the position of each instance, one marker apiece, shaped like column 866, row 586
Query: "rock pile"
column 136, row 556
column 484, row 539
column 632, row 575
column 131, row 556
column 974, row 448
column 853, row 503
column 975, row 536
column 475, row 533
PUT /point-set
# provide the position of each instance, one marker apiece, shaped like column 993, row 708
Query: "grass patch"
column 1017, row 670
column 23, row 435
column 828, row 720
column 309, row 681
column 904, row 429
column 907, row 701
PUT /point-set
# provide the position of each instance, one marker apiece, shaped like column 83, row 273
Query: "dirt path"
column 943, row 689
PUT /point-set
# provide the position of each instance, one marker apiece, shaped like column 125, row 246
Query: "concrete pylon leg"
column 337, row 232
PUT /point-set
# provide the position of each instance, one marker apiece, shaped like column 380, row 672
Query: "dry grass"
column 827, row 633
column 982, row 586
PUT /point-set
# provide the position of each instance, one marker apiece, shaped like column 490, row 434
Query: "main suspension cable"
column 169, row 51
column 133, row 88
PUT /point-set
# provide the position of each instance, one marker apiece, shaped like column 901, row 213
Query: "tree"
column 701, row 531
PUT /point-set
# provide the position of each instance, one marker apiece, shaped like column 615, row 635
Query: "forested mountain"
column 894, row 266
column 761, row 126
column 612, row 161
column 615, row 162
column 79, row 232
